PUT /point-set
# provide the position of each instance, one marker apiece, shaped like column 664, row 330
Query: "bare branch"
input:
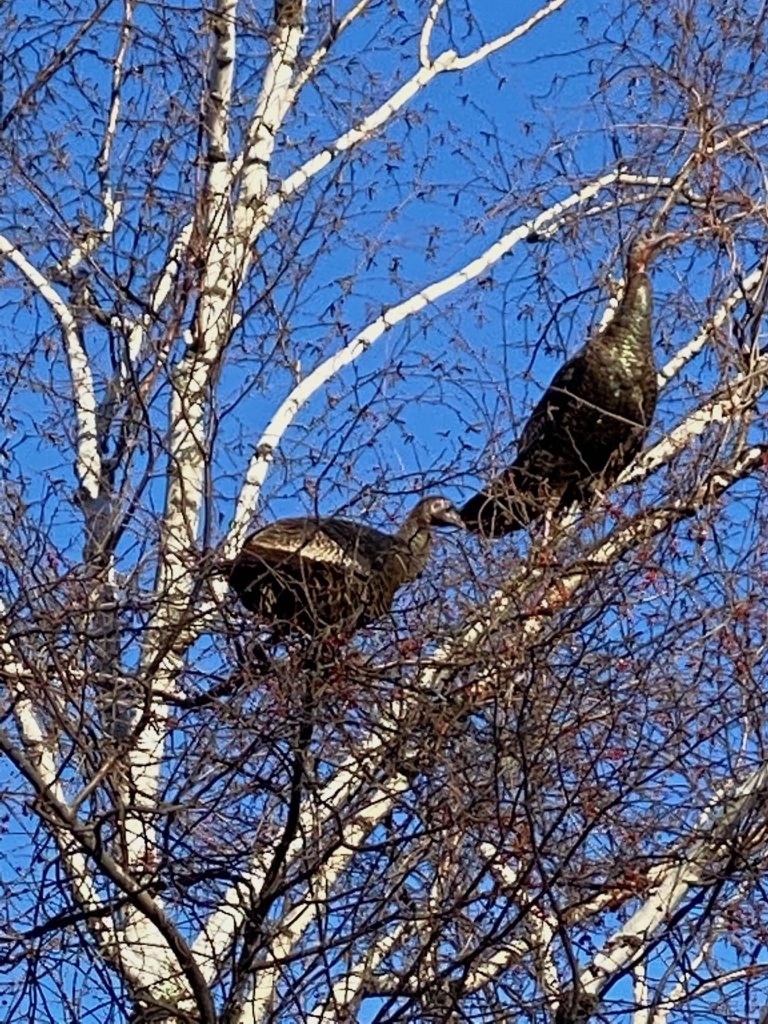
column 274, row 102
column 83, row 837
column 62, row 55
column 223, row 22
column 427, row 30
column 310, row 69
column 446, row 61
column 88, row 463
column 112, row 208
column 482, row 52
column 42, row 752
column 216, row 935
column 720, row 827
column 736, row 398
column 287, row 411
column 712, row 326
column 346, row 993
column 317, row 893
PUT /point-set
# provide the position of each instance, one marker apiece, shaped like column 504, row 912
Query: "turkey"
column 322, row 576
column 592, row 420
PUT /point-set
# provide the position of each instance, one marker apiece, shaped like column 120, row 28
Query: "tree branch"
column 447, row 61
column 61, row 57
column 710, row 840
column 88, row 463
column 468, row 61
column 112, row 208
column 83, row 835
column 258, row 468
column 674, row 365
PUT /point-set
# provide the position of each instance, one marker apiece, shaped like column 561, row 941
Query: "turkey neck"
column 627, row 339
column 410, row 556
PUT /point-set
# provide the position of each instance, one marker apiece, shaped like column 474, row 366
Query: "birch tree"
column 322, row 258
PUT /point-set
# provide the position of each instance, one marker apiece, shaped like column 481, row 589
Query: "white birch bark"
column 430, row 679
column 736, row 815
column 88, row 461
column 547, row 220
column 238, row 207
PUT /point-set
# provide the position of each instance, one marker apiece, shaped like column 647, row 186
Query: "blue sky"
column 438, row 399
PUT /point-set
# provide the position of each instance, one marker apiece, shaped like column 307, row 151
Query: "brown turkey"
column 331, row 575
column 592, row 420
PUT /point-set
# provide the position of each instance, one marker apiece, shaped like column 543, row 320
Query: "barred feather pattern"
column 317, row 576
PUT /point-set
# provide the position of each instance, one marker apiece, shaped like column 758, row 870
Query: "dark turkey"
column 322, row 576
column 592, row 420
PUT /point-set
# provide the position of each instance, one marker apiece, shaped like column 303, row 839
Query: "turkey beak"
column 448, row 517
